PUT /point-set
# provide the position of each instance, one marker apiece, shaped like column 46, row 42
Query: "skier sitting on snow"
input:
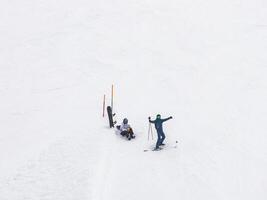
column 158, row 125
column 126, row 130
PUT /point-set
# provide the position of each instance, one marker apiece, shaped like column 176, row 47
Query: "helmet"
column 158, row 116
column 125, row 121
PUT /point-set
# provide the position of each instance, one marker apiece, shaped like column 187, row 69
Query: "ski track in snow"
column 65, row 171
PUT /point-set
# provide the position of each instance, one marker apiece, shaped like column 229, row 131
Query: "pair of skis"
column 165, row 147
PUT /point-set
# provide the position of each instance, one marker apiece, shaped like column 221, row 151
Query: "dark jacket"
column 158, row 123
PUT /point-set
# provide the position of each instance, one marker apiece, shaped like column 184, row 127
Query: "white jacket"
column 124, row 127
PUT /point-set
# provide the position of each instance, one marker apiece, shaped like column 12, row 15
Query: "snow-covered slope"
column 203, row 62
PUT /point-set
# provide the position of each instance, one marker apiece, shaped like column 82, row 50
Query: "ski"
column 165, row 147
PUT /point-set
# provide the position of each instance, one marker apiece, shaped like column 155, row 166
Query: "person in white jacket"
column 126, row 130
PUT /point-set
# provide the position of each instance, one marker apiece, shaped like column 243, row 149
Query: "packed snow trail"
column 203, row 62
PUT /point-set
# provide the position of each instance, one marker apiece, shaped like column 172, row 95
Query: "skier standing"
column 158, row 125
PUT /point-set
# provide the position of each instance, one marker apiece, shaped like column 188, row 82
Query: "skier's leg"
column 131, row 133
column 162, row 137
column 127, row 134
column 123, row 133
column 159, row 140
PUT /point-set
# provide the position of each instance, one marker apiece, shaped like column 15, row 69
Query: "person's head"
column 125, row 121
column 158, row 116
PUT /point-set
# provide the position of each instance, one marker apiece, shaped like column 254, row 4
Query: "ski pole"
column 148, row 131
column 112, row 95
column 152, row 132
column 104, row 105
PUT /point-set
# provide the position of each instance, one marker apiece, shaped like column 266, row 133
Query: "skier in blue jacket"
column 158, row 125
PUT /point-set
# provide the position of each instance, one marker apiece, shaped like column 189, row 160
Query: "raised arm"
column 166, row 119
column 151, row 121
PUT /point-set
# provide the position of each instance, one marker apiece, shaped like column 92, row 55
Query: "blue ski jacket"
column 158, row 123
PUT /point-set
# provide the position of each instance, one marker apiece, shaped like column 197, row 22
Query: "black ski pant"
column 161, row 138
column 128, row 133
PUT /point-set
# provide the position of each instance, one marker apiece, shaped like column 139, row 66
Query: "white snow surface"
column 203, row 62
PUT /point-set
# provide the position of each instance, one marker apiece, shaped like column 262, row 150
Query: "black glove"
column 171, row 117
column 149, row 118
